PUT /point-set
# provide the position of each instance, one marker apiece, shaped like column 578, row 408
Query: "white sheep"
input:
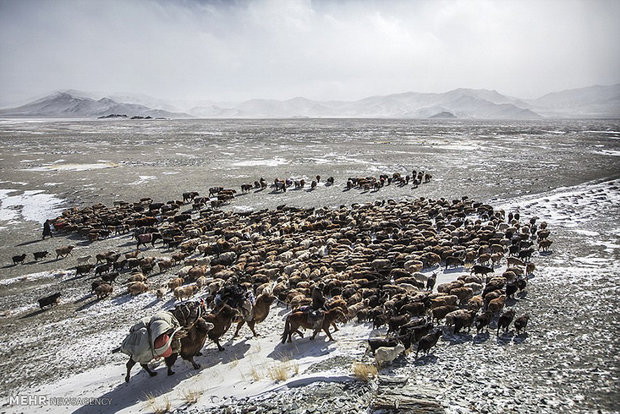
column 387, row 354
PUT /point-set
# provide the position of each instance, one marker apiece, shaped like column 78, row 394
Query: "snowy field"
column 566, row 362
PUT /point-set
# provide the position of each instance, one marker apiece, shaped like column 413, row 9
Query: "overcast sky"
column 235, row 50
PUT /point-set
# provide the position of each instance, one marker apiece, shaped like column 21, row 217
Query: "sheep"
column 475, row 303
column 355, row 308
column 481, row 270
column 413, row 266
column 201, row 282
column 463, row 320
column 513, row 261
column 40, row 255
column 444, row 300
column 385, row 354
column 529, row 269
column 137, row 288
column 496, row 305
column 430, row 283
column 103, row 290
column 427, row 342
column 175, row 283
column 137, row 277
column 110, row 277
column 19, row 259
column 64, row 251
column 197, row 271
column 441, row 312
column 185, row 292
column 49, row 300
column 483, row 321
column 164, row 264
column 84, row 259
column 447, row 287
column 463, row 294
column 160, row 293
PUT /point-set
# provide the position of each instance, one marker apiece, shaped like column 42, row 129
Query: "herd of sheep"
column 367, row 259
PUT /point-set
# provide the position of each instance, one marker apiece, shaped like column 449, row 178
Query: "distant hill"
column 67, row 105
column 591, row 102
column 443, row 115
column 461, row 103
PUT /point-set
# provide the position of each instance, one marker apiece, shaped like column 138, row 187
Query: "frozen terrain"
column 563, row 172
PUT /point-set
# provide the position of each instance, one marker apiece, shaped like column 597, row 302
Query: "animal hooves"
column 196, row 366
column 152, row 374
column 170, row 373
column 198, row 353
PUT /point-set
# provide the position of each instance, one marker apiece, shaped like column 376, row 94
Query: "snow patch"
column 261, row 162
column 73, row 167
column 31, row 205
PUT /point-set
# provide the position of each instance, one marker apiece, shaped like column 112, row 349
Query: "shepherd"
column 316, row 311
column 47, row 229
column 237, row 297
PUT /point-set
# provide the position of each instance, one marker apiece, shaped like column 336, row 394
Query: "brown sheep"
column 201, row 282
column 475, row 303
column 446, row 287
column 496, row 305
column 463, row 293
column 103, row 290
column 444, row 300
column 185, row 292
column 137, row 288
column 441, row 312
column 175, row 283
column 137, row 277
column 64, row 251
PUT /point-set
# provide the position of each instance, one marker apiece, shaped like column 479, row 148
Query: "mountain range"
column 70, row 105
column 590, row 102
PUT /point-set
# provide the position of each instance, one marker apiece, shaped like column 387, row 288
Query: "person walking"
column 47, row 229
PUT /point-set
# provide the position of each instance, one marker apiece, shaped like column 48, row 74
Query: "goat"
column 504, row 320
column 19, row 259
column 385, row 355
column 521, row 323
column 427, row 342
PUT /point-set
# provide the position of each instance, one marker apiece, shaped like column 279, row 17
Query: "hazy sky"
column 328, row 49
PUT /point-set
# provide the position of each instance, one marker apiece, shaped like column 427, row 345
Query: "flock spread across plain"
column 371, row 262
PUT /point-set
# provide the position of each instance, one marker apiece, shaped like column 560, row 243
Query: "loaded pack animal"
column 159, row 336
column 301, row 319
column 145, row 238
column 221, row 319
column 260, row 311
